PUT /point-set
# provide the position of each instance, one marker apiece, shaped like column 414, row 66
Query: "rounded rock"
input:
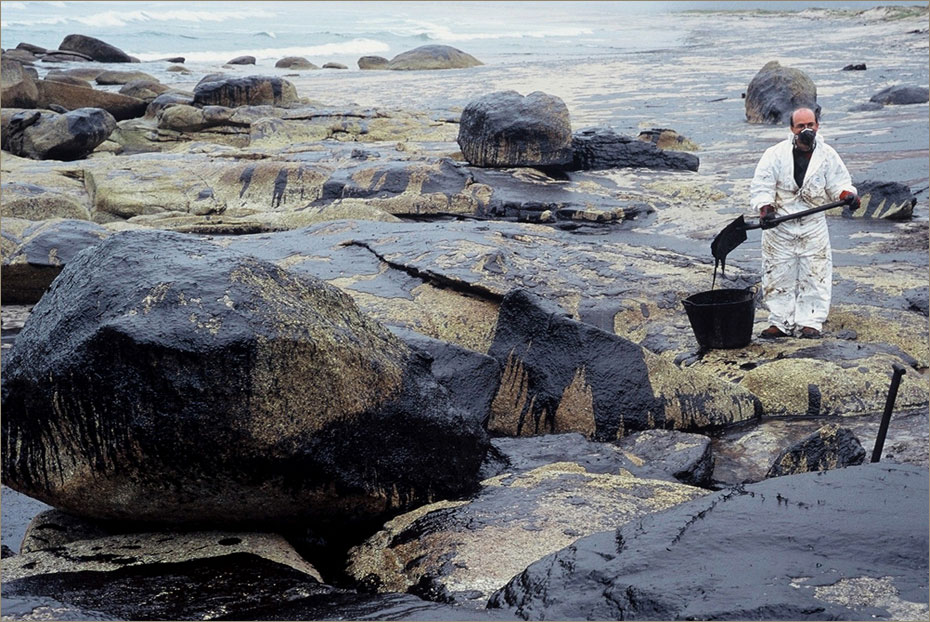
column 505, row 129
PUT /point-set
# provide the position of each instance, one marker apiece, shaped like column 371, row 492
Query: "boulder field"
column 301, row 359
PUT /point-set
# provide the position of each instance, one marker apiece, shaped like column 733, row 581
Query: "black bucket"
column 722, row 318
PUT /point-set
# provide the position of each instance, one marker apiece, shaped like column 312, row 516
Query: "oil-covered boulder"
column 48, row 135
column 505, row 129
column 775, row 92
column 165, row 378
column 246, row 91
column 562, row 375
column 433, row 57
column 601, row 148
column 883, row 199
column 846, row 544
column 902, row 95
column 95, row 49
column 830, row 447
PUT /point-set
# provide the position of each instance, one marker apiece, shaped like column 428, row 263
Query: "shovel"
column 734, row 233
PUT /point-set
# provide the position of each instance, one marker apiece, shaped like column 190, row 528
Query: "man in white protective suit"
column 797, row 262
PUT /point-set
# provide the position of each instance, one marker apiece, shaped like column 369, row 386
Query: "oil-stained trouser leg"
column 815, row 284
column 779, row 280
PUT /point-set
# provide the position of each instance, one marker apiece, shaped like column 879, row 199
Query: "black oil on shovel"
column 734, row 233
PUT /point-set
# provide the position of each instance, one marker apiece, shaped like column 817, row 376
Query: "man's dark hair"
column 791, row 116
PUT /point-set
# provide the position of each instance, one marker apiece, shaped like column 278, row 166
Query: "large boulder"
column 506, row 129
column 846, row 544
column 95, row 49
column 883, row 199
column 17, row 88
column 247, row 91
column 562, row 375
column 902, row 95
column 775, row 92
column 164, row 378
column 50, row 136
column 71, row 97
column 433, row 57
column 601, row 148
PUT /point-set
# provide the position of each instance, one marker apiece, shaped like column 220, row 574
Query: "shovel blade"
column 729, row 238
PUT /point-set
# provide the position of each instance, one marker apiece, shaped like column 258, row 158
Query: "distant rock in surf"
column 94, row 49
column 902, row 95
column 373, row 62
column 433, row 57
column 242, row 60
column 295, row 62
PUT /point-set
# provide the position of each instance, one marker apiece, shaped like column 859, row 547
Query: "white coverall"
column 797, row 261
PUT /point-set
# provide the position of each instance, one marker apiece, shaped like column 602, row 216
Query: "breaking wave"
column 353, row 47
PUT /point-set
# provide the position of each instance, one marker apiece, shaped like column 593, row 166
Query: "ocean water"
column 214, row 32
column 209, row 33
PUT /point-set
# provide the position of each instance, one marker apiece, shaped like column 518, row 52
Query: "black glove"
column 851, row 198
column 766, row 216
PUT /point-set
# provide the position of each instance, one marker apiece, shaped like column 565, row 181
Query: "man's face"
column 804, row 119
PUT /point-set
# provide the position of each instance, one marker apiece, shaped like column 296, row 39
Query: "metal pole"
column 886, row 417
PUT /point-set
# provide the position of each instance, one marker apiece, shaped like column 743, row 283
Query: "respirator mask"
column 807, row 138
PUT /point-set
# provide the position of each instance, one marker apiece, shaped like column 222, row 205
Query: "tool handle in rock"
column 801, row 214
column 886, row 416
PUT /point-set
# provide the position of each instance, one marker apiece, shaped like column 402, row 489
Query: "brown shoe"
column 772, row 332
column 809, row 333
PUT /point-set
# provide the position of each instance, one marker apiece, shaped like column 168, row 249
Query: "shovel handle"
column 800, row 214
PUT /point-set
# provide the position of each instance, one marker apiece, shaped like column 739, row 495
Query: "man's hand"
column 766, row 216
column 851, row 198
